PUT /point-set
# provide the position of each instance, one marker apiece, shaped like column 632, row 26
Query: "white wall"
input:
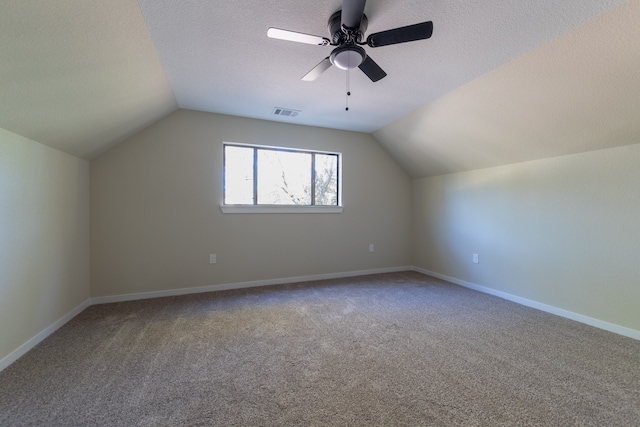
column 155, row 212
column 44, row 239
column 563, row 231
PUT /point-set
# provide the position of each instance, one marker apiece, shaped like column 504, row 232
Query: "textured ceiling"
column 82, row 76
column 218, row 58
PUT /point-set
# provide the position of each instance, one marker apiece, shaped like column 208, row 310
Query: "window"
column 276, row 177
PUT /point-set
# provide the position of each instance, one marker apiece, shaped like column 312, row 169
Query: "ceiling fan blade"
column 371, row 69
column 292, row 36
column 409, row 33
column 352, row 11
column 323, row 66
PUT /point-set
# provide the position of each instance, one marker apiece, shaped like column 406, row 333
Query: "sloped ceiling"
column 81, row 76
column 580, row 92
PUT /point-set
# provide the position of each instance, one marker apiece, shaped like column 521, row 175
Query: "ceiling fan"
column 347, row 28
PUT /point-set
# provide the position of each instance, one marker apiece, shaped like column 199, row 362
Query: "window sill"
column 268, row 209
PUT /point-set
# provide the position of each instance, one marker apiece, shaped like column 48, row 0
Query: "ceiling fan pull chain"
column 348, row 91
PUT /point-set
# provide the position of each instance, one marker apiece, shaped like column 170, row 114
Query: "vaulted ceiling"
column 498, row 82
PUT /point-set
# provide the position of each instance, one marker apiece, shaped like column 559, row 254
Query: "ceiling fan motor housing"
column 339, row 36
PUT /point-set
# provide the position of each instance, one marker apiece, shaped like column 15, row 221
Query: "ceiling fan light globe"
column 347, row 57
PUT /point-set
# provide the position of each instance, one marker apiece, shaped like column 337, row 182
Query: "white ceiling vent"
column 287, row 112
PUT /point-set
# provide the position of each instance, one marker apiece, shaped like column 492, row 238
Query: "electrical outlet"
column 475, row 259
column 371, row 247
column 212, row 258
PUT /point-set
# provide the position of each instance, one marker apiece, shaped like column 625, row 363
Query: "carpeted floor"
column 392, row 349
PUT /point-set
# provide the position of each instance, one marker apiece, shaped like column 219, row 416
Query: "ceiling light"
column 348, row 56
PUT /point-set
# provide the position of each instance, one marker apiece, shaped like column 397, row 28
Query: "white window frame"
column 263, row 209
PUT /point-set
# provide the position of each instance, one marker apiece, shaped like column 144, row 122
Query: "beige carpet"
column 392, row 349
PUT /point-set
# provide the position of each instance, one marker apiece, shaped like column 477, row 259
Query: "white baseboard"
column 611, row 327
column 240, row 285
column 20, row 351
column 24, row 348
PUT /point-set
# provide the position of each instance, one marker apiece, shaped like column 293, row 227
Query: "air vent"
column 287, row 112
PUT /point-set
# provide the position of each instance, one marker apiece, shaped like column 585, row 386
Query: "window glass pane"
column 326, row 179
column 238, row 175
column 284, row 178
